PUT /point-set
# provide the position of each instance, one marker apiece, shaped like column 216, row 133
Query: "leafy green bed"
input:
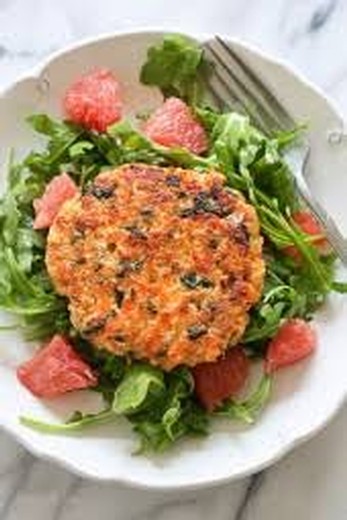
column 160, row 406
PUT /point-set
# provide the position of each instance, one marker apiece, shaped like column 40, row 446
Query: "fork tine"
column 218, row 100
column 273, row 103
column 218, row 82
column 238, row 94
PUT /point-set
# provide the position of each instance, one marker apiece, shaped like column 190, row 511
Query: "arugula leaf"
column 25, row 289
column 45, row 125
column 141, row 383
column 135, row 147
column 282, row 231
column 207, row 116
column 132, row 145
column 280, row 300
column 179, row 387
column 176, row 66
column 172, row 416
column 237, row 146
column 340, row 287
column 79, row 149
column 248, row 410
column 271, row 175
column 77, row 422
column 152, row 437
column 62, row 135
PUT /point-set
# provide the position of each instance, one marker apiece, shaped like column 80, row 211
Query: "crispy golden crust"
column 158, row 263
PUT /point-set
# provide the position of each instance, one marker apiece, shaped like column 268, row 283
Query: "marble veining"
column 22, row 473
column 309, row 483
column 321, row 15
column 253, row 487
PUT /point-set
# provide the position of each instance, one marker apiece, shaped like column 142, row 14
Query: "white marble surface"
column 308, row 484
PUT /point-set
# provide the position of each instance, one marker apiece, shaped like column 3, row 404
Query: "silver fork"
column 235, row 86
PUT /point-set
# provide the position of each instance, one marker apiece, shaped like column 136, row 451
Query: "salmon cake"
column 160, row 264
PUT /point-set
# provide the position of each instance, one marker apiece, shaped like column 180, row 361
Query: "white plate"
column 305, row 397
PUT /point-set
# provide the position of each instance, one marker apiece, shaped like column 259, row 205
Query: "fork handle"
column 331, row 230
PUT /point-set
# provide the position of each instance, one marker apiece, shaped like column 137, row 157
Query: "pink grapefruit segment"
column 174, row 125
column 94, row 100
column 60, row 189
column 55, row 370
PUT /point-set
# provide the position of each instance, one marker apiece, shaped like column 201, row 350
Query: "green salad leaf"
column 25, row 289
column 76, row 423
column 248, row 410
column 62, row 136
column 176, row 66
column 141, row 383
column 174, row 415
column 238, row 147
